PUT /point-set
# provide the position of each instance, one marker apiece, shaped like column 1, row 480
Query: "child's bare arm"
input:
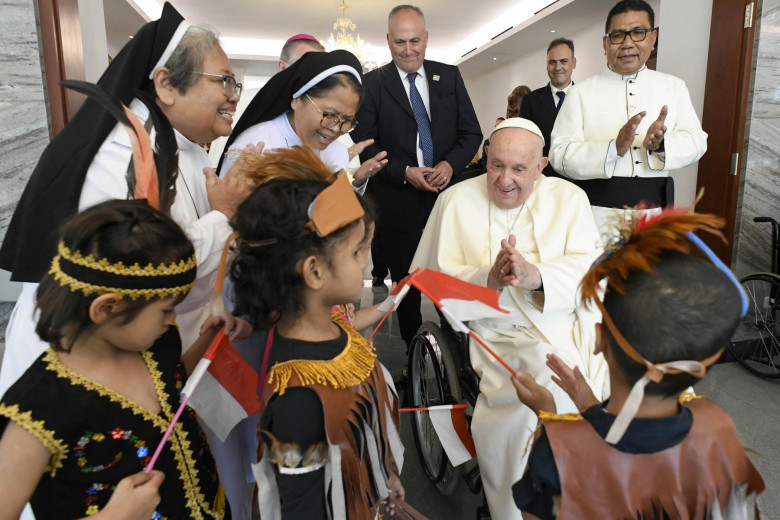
column 532, row 394
column 23, row 460
column 368, row 317
column 236, row 328
column 572, row 382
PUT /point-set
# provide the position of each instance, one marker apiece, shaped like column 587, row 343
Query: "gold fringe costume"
column 361, row 423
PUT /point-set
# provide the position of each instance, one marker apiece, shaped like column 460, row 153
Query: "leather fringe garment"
column 362, row 425
column 686, row 481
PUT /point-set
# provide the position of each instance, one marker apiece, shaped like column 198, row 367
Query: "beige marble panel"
column 761, row 189
column 24, row 129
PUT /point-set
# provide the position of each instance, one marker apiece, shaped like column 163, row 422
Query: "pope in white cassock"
column 628, row 120
column 531, row 238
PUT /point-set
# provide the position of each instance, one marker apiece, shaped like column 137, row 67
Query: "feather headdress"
column 638, row 246
column 640, row 242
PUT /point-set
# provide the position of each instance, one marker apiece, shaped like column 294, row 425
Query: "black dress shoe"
column 377, row 281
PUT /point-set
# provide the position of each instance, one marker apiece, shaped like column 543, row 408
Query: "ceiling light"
column 348, row 39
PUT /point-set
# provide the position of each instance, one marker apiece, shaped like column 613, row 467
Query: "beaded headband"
column 85, row 274
column 637, row 248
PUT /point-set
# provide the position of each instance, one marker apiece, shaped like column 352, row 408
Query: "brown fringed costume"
column 685, row 481
column 361, row 424
column 690, row 465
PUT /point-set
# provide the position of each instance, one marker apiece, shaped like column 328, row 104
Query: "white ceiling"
column 451, row 24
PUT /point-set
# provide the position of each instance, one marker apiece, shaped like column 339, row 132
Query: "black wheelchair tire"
column 756, row 342
column 426, row 346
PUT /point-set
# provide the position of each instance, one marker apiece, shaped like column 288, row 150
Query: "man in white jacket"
column 627, row 121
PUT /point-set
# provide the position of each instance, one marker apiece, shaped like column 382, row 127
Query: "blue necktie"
column 423, row 124
column 561, row 94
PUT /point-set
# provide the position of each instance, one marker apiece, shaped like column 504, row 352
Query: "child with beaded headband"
column 82, row 422
column 651, row 450
column 329, row 416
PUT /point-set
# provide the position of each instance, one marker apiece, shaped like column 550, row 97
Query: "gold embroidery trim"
column 351, row 367
column 54, row 364
column 549, row 416
column 135, row 270
column 119, row 268
column 180, row 445
column 688, row 396
column 55, row 446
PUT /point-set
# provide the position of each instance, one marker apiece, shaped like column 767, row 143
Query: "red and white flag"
column 449, row 421
column 223, row 387
column 459, row 301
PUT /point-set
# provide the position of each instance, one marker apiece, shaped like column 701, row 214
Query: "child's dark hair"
column 687, row 309
column 126, row 231
column 266, row 282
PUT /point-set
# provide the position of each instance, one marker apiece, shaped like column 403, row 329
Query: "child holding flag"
column 329, row 418
column 649, row 451
column 81, row 424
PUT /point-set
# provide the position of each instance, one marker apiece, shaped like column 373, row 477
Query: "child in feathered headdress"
column 669, row 309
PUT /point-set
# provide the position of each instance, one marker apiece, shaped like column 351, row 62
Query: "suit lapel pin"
column 435, row 77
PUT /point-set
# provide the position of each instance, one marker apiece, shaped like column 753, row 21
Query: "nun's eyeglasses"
column 229, row 83
column 330, row 120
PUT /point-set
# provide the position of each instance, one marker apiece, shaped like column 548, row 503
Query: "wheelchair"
column 756, row 342
column 439, row 373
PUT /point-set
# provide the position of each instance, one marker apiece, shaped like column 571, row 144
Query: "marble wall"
column 760, row 190
column 24, row 127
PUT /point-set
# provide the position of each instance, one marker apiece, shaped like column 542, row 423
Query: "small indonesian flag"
column 223, row 387
column 460, row 301
column 449, row 421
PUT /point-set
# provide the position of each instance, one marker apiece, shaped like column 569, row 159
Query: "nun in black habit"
column 311, row 103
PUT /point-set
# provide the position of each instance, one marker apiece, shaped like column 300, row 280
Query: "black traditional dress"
column 97, row 437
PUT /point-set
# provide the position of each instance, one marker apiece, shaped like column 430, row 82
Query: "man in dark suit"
column 541, row 106
column 420, row 113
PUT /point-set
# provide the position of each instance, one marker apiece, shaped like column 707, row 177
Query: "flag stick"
column 175, row 419
column 380, row 323
column 192, row 382
column 440, row 407
column 491, row 352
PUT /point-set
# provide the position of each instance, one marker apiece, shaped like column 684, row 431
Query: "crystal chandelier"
column 348, row 39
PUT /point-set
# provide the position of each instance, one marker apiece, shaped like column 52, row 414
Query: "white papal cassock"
column 555, row 231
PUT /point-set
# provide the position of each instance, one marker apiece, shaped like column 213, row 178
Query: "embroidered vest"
column 599, row 481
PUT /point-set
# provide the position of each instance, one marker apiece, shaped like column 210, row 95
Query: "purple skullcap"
column 302, row 37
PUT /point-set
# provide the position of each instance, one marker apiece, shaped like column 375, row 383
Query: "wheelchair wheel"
column 756, row 342
column 433, row 381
